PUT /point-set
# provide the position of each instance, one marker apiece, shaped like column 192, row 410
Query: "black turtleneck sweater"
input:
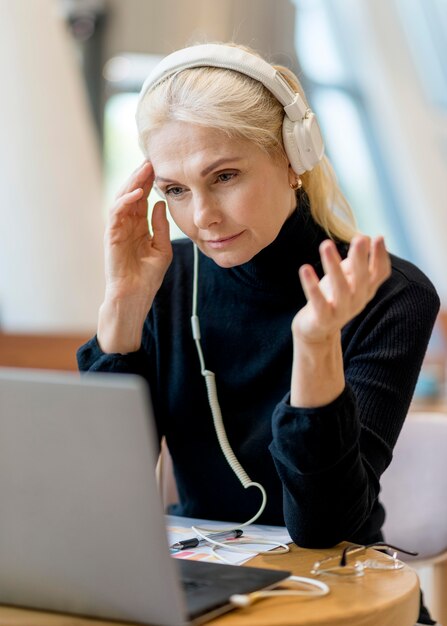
column 321, row 466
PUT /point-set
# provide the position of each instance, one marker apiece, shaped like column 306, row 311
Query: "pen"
column 194, row 542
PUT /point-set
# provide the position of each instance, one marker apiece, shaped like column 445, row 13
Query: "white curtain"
column 51, row 224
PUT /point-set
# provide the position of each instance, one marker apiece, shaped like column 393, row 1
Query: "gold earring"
column 296, row 185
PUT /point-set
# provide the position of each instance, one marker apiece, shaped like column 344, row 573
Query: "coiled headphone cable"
column 210, row 381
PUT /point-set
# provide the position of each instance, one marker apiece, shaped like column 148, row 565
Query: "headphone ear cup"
column 291, row 146
column 303, row 143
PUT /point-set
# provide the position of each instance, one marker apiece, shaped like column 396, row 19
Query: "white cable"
column 319, row 589
column 276, row 547
column 217, row 414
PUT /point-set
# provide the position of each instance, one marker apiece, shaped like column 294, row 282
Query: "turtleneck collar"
column 276, row 267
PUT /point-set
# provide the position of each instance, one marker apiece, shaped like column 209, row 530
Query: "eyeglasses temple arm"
column 375, row 546
column 382, row 544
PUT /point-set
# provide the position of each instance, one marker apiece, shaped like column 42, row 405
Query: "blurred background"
column 71, row 70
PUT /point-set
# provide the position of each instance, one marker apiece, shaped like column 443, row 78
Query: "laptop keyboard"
column 193, row 585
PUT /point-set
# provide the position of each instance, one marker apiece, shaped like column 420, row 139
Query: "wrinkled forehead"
column 194, row 145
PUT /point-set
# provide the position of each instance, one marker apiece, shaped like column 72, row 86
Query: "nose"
column 206, row 211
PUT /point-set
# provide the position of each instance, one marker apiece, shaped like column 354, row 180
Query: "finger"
column 311, row 287
column 160, row 228
column 331, row 262
column 148, row 183
column 379, row 263
column 125, row 187
column 131, row 204
column 360, row 248
column 358, row 255
column 129, row 199
column 142, row 177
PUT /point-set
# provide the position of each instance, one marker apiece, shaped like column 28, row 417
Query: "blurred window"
column 349, row 137
column 121, row 151
column 124, row 76
column 425, row 26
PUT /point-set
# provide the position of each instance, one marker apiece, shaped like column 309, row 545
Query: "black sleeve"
column 142, row 363
column 91, row 358
column 330, row 458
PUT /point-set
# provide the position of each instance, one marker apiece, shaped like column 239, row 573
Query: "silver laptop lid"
column 82, row 528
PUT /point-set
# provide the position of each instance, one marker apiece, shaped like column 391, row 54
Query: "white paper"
column 179, row 528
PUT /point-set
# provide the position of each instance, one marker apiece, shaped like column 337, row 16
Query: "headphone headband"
column 231, row 58
column 302, row 138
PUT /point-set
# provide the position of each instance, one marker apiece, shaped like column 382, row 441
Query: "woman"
column 315, row 333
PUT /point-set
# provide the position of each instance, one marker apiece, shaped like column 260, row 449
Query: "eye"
column 225, row 177
column 174, row 191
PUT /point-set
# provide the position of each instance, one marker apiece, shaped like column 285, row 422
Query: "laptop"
column 82, row 527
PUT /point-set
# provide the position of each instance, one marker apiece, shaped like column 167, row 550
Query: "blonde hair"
column 243, row 108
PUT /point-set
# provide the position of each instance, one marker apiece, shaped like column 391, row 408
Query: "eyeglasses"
column 339, row 565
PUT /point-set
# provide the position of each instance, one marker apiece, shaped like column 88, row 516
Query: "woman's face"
column 227, row 195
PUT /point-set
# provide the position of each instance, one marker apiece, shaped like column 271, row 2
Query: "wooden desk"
column 46, row 351
column 376, row 599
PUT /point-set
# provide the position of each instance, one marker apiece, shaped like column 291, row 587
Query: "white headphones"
column 302, row 138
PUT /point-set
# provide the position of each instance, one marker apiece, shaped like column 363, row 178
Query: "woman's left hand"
column 346, row 288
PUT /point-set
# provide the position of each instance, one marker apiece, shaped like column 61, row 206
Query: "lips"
column 222, row 241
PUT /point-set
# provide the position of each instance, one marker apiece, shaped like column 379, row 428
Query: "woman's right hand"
column 136, row 262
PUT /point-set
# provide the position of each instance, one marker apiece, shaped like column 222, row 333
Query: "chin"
column 229, row 260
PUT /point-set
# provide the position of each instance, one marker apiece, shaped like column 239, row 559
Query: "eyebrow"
column 221, row 161
column 204, row 172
